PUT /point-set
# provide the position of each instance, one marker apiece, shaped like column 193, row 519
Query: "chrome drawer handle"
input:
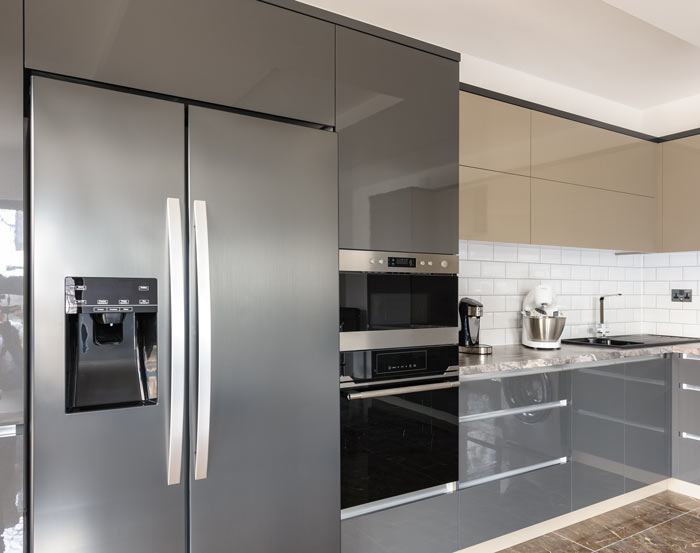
column 515, row 411
column 514, row 472
column 691, row 387
column 396, row 501
column 689, row 436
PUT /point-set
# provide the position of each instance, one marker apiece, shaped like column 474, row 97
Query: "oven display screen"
column 401, row 362
column 402, row 262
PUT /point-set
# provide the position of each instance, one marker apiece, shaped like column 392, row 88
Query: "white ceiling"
column 632, row 63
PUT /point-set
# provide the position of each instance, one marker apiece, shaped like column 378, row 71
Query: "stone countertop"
column 517, row 358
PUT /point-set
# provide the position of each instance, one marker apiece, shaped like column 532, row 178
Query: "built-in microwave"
column 397, row 300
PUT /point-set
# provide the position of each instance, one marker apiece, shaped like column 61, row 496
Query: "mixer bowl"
column 544, row 329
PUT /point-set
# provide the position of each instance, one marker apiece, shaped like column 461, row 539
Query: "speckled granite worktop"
column 519, row 358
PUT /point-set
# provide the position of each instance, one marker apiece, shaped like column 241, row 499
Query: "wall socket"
column 682, row 294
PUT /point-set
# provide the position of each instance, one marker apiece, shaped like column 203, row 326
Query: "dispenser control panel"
column 111, row 295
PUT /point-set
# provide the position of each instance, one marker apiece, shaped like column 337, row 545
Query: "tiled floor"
column 666, row 522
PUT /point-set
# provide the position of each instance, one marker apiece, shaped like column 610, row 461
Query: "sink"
column 631, row 341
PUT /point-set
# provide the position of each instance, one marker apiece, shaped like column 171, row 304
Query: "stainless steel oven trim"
column 369, row 394
column 363, row 261
column 402, row 338
column 348, row 382
column 398, row 500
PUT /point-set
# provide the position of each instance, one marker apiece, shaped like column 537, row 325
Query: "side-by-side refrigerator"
column 184, row 311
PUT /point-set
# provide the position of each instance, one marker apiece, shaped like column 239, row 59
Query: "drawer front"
column 687, row 458
column 496, row 394
column 492, row 448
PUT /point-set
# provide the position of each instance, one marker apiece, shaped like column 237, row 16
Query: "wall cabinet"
column 493, row 206
column 577, row 153
column 493, row 135
column 681, row 194
column 398, row 143
column 571, row 215
column 240, row 53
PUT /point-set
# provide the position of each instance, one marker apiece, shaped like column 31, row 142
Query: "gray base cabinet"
column 239, row 53
column 686, row 420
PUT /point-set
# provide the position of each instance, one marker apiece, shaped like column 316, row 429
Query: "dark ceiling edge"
column 557, row 112
column 325, row 15
column 677, row 135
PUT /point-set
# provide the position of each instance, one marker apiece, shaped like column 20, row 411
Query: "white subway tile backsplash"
column 505, row 287
column 500, row 274
column 528, row 254
column 517, row 270
column 683, row 259
column 492, row 269
column 539, row 270
column 505, row 252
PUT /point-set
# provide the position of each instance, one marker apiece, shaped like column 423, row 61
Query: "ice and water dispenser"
column 111, row 342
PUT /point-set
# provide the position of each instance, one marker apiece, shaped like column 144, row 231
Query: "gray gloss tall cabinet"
column 12, row 310
column 239, row 53
column 244, row 209
column 398, row 141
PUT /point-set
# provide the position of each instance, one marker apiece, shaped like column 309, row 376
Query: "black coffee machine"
column 470, row 312
column 111, row 343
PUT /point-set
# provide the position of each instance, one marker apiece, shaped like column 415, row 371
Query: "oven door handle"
column 403, row 390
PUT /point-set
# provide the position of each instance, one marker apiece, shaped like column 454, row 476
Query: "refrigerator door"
column 268, row 193
column 103, row 167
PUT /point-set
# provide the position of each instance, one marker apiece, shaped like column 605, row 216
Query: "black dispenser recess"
column 111, row 343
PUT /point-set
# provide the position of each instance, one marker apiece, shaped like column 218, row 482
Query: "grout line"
column 572, row 541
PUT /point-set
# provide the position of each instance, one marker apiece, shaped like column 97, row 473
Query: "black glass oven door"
column 397, row 444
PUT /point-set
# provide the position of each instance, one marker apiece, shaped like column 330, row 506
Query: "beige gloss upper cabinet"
column 493, row 206
column 576, row 153
column 571, row 215
column 681, row 194
column 493, row 135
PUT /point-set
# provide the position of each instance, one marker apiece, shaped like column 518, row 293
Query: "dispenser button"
column 112, row 309
column 144, row 302
column 81, row 302
column 80, row 287
column 126, row 309
column 144, row 287
column 123, row 302
column 102, row 302
column 98, row 309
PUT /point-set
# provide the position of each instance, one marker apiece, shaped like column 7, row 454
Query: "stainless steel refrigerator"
column 184, row 312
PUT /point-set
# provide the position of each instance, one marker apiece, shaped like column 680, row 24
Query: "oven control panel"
column 397, row 262
column 394, row 362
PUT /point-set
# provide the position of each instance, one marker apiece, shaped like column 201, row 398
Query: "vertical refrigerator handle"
column 177, row 340
column 201, row 243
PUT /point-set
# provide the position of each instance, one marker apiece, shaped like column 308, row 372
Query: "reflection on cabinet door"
column 427, row 526
column 398, row 146
column 686, row 420
column 493, row 135
column 568, row 151
column 237, row 53
column 570, row 215
column 493, row 206
column 681, row 167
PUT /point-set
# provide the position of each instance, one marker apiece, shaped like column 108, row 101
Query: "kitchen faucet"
column 601, row 329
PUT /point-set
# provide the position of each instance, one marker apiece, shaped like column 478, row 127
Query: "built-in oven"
column 397, row 300
column 399, row 427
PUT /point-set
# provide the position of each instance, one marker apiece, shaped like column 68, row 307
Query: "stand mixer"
column 543, row 323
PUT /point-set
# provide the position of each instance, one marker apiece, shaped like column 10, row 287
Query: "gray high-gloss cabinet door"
column 240, row 53
column 273, row 479
column 103, row 165
column 686, row 420
column 398, row 143
column 12, row 309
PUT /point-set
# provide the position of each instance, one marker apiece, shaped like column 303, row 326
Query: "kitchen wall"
column 499, row 275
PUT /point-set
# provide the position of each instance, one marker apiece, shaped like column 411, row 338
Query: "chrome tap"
column 601, row 329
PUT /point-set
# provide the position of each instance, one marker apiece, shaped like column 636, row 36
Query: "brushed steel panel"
column 239, row 53
column 405, row 338
column 103, row 164
column 378, row 262
column 12, row 309
column 273, row 474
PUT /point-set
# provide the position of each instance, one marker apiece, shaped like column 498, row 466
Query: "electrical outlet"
column 682, row 294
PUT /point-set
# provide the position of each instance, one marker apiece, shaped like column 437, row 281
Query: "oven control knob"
column 422, row 262
column 381, row 262
column 371, row 260
column 430, row 263
column 443, row 263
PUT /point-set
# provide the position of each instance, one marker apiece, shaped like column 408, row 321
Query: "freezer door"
column 268, row 193
column 103, row 165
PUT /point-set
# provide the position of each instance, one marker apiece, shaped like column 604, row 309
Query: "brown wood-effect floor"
column 666, row 522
